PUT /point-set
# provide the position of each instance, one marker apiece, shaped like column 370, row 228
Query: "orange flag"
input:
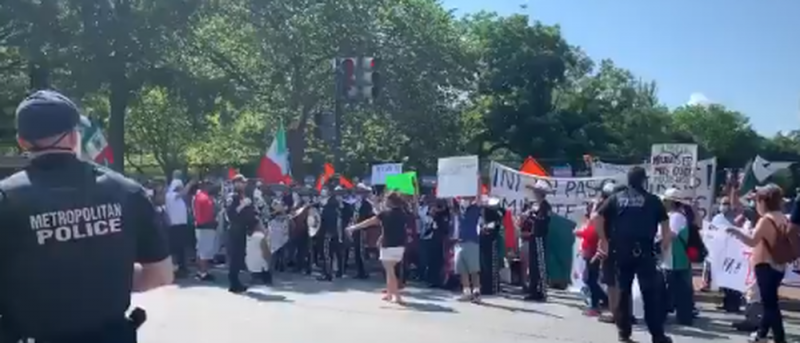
column 530, row 166
column 326, row 175
column 232, row 173
column 345, row 182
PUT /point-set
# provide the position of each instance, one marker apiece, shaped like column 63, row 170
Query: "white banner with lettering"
column 568, row 196
column 704, row 180
column 381, row 171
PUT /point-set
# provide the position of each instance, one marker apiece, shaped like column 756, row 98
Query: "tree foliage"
column 206, row 82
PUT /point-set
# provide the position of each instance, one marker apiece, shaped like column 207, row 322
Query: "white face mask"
column 724, row 208
column 464, row 203
column 149, row 192
column 324, row 200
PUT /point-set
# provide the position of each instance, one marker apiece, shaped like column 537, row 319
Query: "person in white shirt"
column 179, row 233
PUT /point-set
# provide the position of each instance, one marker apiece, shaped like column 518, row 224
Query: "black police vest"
column 67, row 255
column 635, row 218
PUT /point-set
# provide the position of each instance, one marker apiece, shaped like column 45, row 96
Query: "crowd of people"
column 457, row 244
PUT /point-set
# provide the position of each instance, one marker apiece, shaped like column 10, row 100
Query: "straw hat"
column 676, row 195
column 542, row 186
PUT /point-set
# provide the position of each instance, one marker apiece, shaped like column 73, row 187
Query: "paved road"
column 300, row 310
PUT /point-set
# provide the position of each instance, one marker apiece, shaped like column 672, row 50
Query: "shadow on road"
column 516, row 309
column 267, row 297
column 419, row 307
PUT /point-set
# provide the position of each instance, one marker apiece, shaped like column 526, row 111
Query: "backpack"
column 786, row 248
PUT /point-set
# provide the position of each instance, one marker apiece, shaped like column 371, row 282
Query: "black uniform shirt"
column 71, row 232
column 634, row 217
column 242, row 220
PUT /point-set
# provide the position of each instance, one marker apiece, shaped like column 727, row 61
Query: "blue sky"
column 743, row 54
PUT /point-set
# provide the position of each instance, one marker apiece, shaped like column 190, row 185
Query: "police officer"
column 76, row 238
column 627, row 223
column 243, row 215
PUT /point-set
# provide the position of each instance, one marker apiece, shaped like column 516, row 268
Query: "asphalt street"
column 299, row 309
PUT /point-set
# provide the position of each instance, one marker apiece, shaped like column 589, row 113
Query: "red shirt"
column 589, row 240
column 203, row 209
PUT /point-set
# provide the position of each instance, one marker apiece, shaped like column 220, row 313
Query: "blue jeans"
column 679, row 295
column 592, row 281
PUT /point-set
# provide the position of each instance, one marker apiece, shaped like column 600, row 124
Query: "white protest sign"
column 731, row 268
column 457, row 176
column 672, row 165
column 381, row 171
column 568, row 196
column 731, row 252
column 704, row 180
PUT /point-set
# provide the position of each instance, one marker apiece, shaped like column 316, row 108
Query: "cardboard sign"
column 457, row 177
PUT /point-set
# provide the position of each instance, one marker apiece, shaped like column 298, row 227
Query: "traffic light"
column 348, row 85
column 370, row 77
column 325, row 123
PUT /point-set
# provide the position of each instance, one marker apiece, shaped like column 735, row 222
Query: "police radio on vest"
column 77, row 223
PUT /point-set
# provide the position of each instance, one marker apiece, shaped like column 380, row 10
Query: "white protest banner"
column 457, row 176
column 381, row 171
column 704, row 180
column 568, row 196
column 732, row 266
column 672, row 165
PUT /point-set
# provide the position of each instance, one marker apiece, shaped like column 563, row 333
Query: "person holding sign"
column 767, row 259
column 392, row 219
column 633, row 217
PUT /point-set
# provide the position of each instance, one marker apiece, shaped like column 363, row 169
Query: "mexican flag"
column 274, row 166
column 758, row 171
column 94, row 144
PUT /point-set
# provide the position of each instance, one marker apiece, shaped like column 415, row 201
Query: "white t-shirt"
column 176, row 205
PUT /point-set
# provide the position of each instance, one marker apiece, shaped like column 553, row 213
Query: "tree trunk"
column 119, row 104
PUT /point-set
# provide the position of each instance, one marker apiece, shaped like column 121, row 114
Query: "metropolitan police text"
column 77, row 223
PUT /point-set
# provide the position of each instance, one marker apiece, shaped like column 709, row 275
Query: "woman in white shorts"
column 393, row 220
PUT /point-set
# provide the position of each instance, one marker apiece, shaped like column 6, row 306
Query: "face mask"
column 323, row 200
column 463, row 203
column 149, row 192
column 724, row 208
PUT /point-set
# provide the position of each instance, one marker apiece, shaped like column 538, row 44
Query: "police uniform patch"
column 77, row 223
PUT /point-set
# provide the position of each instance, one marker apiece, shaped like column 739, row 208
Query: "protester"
column 467, row 250
column 489, row 237
column 205, row 230
column 675, row 261
column 589, row 241
column 393, row 223
column 769, row 271
column 634, row 216
column 179, row 233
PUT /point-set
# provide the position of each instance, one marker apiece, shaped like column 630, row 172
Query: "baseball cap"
column 46, row 114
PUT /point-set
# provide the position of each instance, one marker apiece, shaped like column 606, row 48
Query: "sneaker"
column 591, row 313
column 755, row 339
column 237, row 289
column 476, row 296
column 466, row 296
column 204, row 277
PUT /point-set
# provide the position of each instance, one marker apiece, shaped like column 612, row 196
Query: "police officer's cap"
column 46, row 114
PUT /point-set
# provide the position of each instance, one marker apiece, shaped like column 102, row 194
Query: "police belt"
column 106, row 333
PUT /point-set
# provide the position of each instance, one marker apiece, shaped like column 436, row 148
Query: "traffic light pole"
column 338, row 109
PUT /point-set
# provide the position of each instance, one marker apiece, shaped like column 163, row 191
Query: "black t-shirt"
column 632, row 217
column 393, row 222
column 442, row 223
column 70, row 236
column 541, row 219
